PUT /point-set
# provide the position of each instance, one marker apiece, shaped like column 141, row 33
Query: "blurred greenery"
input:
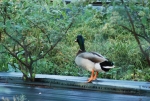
column 16, row 98
column 99, row 27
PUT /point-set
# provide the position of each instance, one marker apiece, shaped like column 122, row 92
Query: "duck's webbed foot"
column 91, row 78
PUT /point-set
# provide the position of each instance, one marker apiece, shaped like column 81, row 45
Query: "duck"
column 91, row 61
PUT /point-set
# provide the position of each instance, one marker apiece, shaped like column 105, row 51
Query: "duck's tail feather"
column 108, row 67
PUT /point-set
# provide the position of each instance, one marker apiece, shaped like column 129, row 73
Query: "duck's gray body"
column 90, row 61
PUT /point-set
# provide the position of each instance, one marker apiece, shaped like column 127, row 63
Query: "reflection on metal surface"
column 61, row 94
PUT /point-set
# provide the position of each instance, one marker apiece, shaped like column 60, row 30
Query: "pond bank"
column 71, row 82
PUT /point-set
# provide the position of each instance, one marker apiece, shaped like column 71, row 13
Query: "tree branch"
column 14, row 55
column 143, row 26
column 135, row 33
column 59, row 39
column 43, row 31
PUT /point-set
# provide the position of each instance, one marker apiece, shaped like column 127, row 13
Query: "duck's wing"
column 95, row 53
column 93, row 56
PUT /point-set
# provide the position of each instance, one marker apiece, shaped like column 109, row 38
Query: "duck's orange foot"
column 95, row 76
column 90, row 80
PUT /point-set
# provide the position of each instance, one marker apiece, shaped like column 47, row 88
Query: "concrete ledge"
column 106, row 85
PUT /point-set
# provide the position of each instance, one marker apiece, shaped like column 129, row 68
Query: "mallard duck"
column 91, row 61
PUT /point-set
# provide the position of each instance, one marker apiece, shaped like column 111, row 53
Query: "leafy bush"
column 31, row 30
column 15, row 98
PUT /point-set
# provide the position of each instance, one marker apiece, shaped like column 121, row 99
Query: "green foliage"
column 31, row 30
column 16, row 98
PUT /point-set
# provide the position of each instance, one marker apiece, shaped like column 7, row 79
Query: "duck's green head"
column 80, row 41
